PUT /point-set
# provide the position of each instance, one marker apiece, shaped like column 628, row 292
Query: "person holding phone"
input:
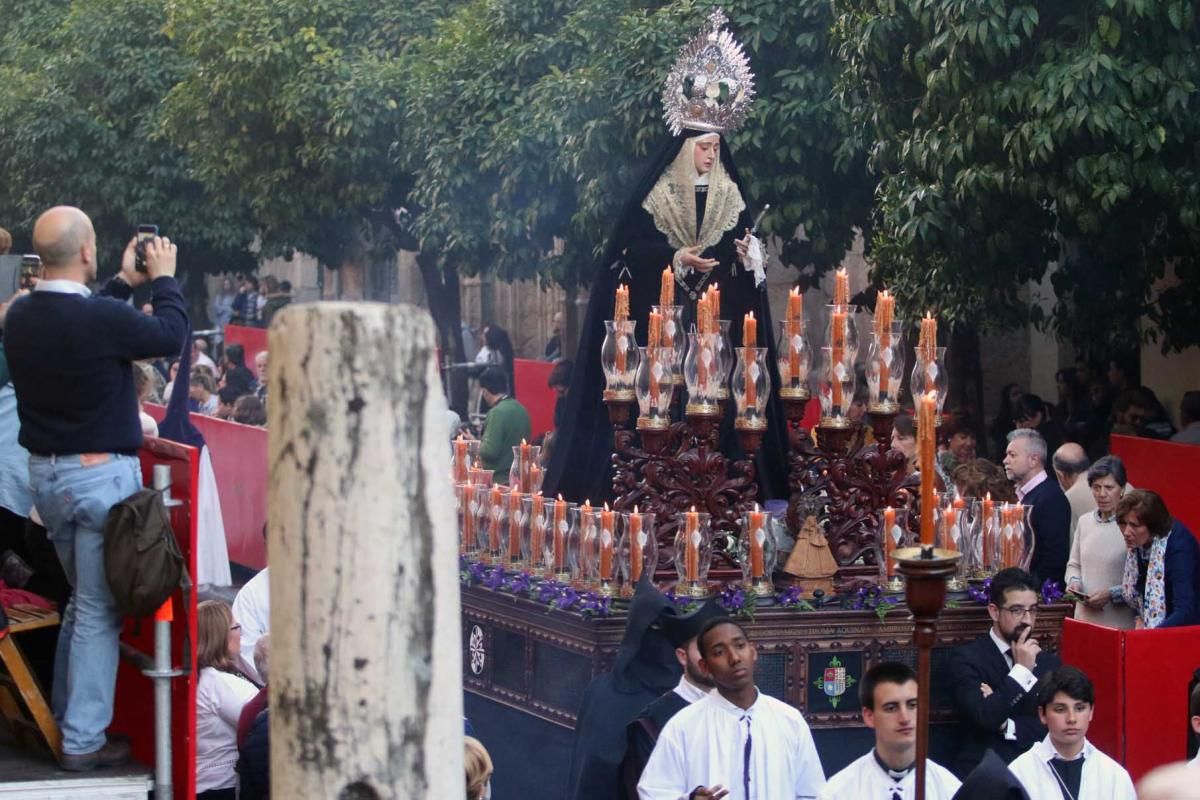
column 1097, row 560
column 994, row 676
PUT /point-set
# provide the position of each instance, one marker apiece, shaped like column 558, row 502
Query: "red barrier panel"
column 239, row 458
column 538, row 398
column 1166, row 468
column 1142, row 680
column 133, row 712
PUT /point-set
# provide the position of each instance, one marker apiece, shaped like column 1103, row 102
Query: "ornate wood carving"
column 688, row 471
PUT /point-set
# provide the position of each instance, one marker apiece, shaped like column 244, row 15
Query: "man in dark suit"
column 994, row 677
column 695, row 684
column 1050, row 517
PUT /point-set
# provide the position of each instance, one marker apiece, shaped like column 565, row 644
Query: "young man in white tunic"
column 889, row 706
column 737, row 743
column 1065, row 765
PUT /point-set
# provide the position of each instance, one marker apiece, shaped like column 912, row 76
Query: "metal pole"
column 163, row 789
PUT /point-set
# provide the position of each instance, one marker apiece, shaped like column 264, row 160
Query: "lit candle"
column 692, row 535
column 636, row 546
column 524, row 465
column 537, row 532
column 468, row 500
column 620, row 316
column 460, row 459
column 606, row 544
column 758, row 535
column 988, row 530
column 889, row 540
column 514, row 526
column 586, row 542
column 666, row 294
column 926, row 447
column 841, row 288
column 837, row 334
column 714, row 299
column 654, row 331
column 535, row 478
column 749, row 331
column 927, row 347
column 703, row 324
column 496, row 509
column 560, row 535
column 949, row 518
column 883, row 335
column 795, row 322
column 959, row 502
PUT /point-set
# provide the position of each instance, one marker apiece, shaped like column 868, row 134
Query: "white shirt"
column 202, row 360
column 252, row 610
column 63, row 286
column 1103, row 778
column 690, row 691
column 219, row 700
column 705, row 745
column 1030, row 485
column 864, row 779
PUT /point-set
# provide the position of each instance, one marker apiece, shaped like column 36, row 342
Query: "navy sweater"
column 71, row 362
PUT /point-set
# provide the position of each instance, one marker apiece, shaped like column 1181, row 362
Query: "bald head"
column 1070, row 461
column 64, row 238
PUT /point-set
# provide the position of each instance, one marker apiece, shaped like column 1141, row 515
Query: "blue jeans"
column 73, row 501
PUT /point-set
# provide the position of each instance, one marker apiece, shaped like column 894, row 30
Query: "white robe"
column 864, row 779
column 252, row 610
column 704, row 745
column 1103, row 778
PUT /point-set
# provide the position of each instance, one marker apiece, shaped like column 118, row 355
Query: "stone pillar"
column 366, row 682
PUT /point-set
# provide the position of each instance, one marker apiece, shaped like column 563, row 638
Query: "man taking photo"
column 71, row 355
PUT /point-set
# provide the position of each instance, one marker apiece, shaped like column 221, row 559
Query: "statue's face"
column 705, row 152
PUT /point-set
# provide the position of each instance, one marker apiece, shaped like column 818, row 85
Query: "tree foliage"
column 1010, row 133
column 81, row 86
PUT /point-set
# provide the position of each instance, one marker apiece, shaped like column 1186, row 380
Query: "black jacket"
column 982, row 719
column 642, row 735
column 1050, row 519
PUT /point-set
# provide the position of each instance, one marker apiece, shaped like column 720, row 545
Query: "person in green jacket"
column 506, row 425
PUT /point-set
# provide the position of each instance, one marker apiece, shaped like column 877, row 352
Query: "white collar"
column 690, row 691
column 717, row 699
column 702, row 180
column 63, row 286
column 1045, row 751
column 1031, row 484
column 1001, row 645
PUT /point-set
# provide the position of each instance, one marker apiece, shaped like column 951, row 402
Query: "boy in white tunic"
column 1065, row 765
column 889, row 706
column 737, row 743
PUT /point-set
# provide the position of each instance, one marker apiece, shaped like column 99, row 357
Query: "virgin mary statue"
column 688, row 212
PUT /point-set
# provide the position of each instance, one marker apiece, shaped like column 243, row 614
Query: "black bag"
column 142, row 560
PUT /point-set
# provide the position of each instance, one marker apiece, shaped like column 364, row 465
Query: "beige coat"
column 1098, row 561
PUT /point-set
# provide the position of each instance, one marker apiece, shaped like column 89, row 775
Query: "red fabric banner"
column 1166, row 468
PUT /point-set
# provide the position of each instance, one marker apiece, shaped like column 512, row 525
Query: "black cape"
column 645, row 668
column 991, row 780
column 640, row 737
column 580, row 466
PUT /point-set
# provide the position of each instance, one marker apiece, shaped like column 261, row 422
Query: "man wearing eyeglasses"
column 994, row 677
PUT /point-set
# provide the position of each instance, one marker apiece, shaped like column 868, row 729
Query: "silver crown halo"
column 710, row 87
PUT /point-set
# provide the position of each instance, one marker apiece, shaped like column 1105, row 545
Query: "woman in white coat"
column 1097, row 559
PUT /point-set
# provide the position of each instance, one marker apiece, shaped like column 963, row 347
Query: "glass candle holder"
column 1014, row 541
column 465, row 452
column 836, row 387
column 581, row 544
column 674, row 337
column 893, row 535
column 885, row 369
column 537, row 547
column 493, row 536
column 619, row 359
column 466, row 510
column 751, row 387
column 795, row 361
column 637, row 549
column 480, row 476
column 725, row 359
column 525, row 475
column 701, row 373
column 757, row 552
column 600, row 540
column 693, row 552
column 517, row 538
column 931, row 376
column 655, row 385
column 950, row 526
column 841, row 330
column 562, row 535
column 989, row 528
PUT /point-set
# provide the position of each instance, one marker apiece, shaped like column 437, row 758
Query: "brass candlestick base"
column 620, row 406
column 762, row 587
column 883, row 418
column 654, row 437
column 703, row 419
column 833, row 436
column 794, row 402
column 925, row 570
column 606, row 588
column 751, row 433
column 894, row 584
column 697, row 589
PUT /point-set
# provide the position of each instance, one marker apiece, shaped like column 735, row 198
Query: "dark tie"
column 1069, row 774
column 1008, row 656
column 746, row 758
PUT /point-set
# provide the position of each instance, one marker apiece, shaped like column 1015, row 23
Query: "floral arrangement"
column 1052, row 592
column 554, row 595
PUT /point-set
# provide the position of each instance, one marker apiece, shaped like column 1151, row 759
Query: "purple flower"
column 493, row 578
column 518, row 584
column 567, row 598
column 548, row 590
column 982, row 593
column 1051, row 592
column 592, row 604
column 682, row 603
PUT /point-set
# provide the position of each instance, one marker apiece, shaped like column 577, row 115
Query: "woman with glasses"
column 1097, row 560
column 221, row 692
column 1159, row 582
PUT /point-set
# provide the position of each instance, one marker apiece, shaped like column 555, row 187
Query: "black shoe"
column 115, row 751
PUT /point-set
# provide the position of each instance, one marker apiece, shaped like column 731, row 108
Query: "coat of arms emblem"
column 834, row 681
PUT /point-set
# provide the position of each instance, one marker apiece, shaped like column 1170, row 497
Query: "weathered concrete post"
column 366, row 682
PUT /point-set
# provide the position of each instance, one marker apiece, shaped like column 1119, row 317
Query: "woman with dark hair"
column 1097, row 560
column 1159, row 581
column 499, row 343
column 221, row 692
column 689, row 213
column 1005, row 419
column 235, row 372
column 904, row 439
